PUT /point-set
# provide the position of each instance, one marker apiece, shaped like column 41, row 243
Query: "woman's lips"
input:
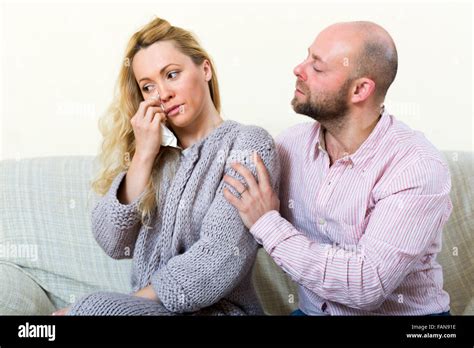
column 173, row 111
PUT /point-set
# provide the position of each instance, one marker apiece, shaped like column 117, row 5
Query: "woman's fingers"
column 150, row 113
column 62, row 311
column 147, row 133
column 158, row 118
column 142, row 108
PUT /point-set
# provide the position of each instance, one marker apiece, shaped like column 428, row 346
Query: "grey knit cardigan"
column 198, row 254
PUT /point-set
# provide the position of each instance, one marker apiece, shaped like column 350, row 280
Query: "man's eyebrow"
column 316, row 57
column 161, row 71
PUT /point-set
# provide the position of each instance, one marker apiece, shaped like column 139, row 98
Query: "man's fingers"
column 233, row 200
column 247, row 174
column 262, row 172
column 236, row 184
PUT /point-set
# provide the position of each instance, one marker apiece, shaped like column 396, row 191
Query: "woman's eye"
column 147, row 88
column 172, row 74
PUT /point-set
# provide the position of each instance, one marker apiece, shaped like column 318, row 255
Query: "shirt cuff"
column 272, row 229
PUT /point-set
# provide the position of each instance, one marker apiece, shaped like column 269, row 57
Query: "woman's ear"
column 207, row 70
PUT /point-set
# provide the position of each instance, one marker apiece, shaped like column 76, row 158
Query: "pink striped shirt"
column 360, row 237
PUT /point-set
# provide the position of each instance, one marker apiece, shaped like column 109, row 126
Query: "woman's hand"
column 63, row 311
column 147, row 292
column 146, row 128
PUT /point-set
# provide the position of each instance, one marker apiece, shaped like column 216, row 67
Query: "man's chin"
column 297, row 106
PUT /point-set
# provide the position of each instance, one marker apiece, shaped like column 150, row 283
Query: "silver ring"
column 245, row 189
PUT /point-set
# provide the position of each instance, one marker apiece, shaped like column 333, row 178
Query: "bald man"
column 363, row 197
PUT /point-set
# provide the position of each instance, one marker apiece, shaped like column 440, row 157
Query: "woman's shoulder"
column 251, row 136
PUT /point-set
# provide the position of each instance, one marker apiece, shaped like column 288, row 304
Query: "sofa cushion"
column 45, row 228
column 20, row 294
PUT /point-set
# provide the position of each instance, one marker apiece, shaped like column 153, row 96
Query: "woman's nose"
column 166, row 94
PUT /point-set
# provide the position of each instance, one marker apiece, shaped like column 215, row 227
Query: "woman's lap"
column 111, row 303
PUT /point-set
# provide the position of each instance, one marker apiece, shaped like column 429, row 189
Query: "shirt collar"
column 365, row 151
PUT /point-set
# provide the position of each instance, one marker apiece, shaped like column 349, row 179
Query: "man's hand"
column 256, row 199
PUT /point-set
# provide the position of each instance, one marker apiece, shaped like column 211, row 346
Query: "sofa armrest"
column 20, row 294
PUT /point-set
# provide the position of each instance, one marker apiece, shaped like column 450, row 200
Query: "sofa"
column 49, row 258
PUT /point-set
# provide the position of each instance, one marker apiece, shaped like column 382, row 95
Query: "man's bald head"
column 374, row 52
column 349, row 67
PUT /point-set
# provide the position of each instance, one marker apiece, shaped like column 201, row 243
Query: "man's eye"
column 317, row 70
column 172, row 74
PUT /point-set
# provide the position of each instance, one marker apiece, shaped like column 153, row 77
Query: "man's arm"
column 403, row 224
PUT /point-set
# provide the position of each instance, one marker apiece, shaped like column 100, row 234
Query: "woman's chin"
column 179, row 121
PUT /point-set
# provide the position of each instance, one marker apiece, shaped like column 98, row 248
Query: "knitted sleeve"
column 226, row 251
column 115, row 225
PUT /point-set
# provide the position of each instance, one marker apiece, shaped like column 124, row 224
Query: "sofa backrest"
column 457, row 254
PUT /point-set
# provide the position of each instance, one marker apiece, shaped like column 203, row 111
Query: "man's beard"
column 327, row 109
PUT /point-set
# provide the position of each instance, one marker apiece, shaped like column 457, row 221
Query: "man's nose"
column 299, row 72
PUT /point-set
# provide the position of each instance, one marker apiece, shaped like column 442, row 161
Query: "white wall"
column 60, row 61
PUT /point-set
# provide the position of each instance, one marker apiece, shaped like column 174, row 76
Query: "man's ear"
column 207, row 70
column 363, row 88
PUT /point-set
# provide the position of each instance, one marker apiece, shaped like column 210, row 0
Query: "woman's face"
column 182, row 86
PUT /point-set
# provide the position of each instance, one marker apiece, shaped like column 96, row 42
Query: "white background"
column 59, row 63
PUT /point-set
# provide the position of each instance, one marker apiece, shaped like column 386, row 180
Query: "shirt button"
column 321, row 221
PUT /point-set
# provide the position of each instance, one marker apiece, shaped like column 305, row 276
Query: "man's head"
column 349, row 65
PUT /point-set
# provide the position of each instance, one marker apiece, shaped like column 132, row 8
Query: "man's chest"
column 329, row 204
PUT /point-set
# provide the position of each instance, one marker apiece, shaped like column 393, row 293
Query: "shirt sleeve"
column 406, row 220
column 115, row 225
column 225, row 252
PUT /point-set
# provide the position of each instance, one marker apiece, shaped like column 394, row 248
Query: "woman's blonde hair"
column 118, row 145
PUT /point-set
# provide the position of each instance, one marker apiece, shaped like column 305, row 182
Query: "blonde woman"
column 163, row 206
